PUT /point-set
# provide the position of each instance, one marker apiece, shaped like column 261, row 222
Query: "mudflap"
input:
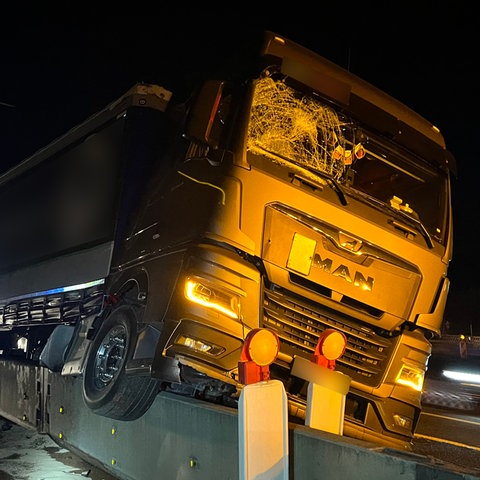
column 78, row 348
column 56, row 349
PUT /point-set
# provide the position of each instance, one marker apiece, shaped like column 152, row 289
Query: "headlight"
column 202, row 292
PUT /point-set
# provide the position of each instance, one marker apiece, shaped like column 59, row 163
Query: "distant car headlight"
column 462, row 376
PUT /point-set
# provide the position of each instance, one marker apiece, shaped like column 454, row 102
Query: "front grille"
column 65, row 307
column 299, row 322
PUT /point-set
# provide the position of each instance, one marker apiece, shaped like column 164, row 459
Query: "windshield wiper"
column 331, row 182
column 419, row 226
column 337, row 188
column 328, row 179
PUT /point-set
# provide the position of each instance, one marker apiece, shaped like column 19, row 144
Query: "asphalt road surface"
column 26, row 455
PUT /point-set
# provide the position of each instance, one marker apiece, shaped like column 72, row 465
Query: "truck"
column 140, row 248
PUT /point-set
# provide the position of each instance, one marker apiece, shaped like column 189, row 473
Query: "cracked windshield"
column 290, row 127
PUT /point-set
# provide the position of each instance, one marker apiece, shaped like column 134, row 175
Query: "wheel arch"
column 132, row 285
column 115, row 383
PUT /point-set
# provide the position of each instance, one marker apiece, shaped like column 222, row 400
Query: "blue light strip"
column 80, row 286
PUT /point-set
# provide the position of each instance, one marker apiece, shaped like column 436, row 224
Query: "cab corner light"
column 411, row 376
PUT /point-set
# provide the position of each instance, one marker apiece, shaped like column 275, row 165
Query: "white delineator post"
column 263, row 431
column 326, row 394
column 327, row 388
column 262, row 411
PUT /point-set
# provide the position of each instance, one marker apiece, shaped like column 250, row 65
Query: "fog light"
column 199, row 345
column 22, row 343
column 403, row 422
column 411, row 377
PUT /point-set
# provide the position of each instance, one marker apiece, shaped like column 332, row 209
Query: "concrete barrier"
column 183, row 438
column 190, row 439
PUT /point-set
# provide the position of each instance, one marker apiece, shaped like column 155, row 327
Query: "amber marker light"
column 260, row 349
column 330, row 346
column 411, row 376
column 333, row 345
column 262, row 346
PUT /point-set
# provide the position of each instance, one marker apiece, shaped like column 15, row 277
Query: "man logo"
column 343, row 271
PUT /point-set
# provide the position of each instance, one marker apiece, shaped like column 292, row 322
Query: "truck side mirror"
column 203, row 124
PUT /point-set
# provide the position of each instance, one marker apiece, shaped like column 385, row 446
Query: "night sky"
column 56, row 72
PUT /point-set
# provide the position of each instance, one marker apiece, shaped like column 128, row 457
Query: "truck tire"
column 107, row 390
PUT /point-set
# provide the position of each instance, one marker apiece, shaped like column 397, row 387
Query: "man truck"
column 141, row 247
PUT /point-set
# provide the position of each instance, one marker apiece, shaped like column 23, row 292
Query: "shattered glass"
column 291, row 127
column 297, row 128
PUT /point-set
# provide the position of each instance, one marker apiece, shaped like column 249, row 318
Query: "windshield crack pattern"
column 297, row 128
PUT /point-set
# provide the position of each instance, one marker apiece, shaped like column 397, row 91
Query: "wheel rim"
column 110, row 356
